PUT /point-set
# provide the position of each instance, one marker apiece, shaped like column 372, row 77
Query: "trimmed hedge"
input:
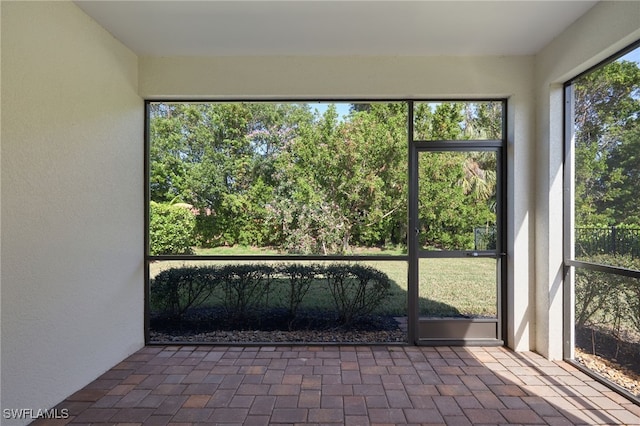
column 357, row 290
column 244, row 290
column 176, row 290
column 300, row 278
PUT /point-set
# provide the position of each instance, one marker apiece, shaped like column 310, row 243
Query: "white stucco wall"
column 603, row 31
column 72, row 205
column 386, row 77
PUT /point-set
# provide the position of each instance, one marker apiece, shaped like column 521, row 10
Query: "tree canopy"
column 607, row 145
column 287, row 176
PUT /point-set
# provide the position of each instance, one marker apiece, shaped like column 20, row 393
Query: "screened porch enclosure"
column 76, row 260
column 298, row 216
column 602, row 228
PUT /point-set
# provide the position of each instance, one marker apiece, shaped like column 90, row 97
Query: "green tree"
column 343, row 183
column 441, row 121
column 624, row 163
column 220, row 158
column 607, row 104
column 280, row 175
column 449, row 208
column 457, row 191
column 483, row 120
column 171, row 228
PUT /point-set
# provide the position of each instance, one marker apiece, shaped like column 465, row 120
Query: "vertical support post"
column 569, row 225
column 147, row 219
column 412, row 237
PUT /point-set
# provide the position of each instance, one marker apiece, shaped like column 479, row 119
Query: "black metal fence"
column 589, row 241
column 484, row 238
column 612, row 240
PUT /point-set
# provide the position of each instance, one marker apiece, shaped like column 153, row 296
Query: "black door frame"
column 456, row 331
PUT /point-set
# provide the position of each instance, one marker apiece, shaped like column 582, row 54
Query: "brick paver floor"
column 350, row 385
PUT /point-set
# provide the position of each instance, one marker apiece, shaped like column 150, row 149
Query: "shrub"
column 245, row 288
column 171, row 229
column 308, row 226
column 300, row 278
column 632, row 298
column 613, row 298
column 595, row 293
column 176, row 290
column 356, row 290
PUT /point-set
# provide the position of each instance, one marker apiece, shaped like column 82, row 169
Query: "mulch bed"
column 616, row 359
column 274, row 326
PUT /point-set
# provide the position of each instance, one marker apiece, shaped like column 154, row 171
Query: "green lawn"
column 447, row 287
column 458, row 286
column 235, row 250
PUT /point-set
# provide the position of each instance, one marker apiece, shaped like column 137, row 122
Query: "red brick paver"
column 349, row 385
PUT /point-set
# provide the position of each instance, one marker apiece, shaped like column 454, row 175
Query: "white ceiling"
column 239, row 28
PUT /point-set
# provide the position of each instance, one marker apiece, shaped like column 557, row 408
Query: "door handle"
column 484, row 254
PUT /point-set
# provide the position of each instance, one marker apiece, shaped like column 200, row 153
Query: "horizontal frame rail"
column 458, row 145
column 280, row 258
column 632, row 273
column 426, row 254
